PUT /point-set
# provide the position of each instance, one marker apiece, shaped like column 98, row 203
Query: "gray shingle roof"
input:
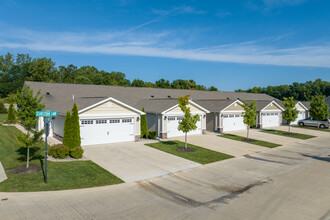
column 61, row 95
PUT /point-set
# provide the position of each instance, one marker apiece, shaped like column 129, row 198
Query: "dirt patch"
column 183, row 149
column 248, row 140
column 289, row 134
column 22, row 170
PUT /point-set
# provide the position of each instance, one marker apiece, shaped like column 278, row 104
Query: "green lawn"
column 61, row 175
column 284, row 133
column 256, row 142
column 200, row 155
column 313, row 128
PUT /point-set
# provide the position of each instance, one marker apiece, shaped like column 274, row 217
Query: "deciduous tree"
column 291, row 113
column 319, row 109
column 250, row 114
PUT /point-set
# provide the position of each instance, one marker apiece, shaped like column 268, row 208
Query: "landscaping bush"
column 76, row 152
column 152, row 134
column 3, row 110
column 59, row 151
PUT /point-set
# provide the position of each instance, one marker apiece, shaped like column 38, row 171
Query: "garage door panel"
column 173, row 123
column 233, row 122
column 102, row 131
column 270, row 119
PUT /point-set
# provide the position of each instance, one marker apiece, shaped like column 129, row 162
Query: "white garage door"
column 270, row 120
column 301, row 115
column 233, row 122
column 173, row 123
column 103, row 131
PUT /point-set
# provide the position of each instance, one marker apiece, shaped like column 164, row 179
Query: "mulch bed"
column 21, row 170
column 248, row 140
column 289, row 134
column 183, row 149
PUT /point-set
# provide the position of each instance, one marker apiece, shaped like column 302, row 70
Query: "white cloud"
column 281, row 3
column 161, row 45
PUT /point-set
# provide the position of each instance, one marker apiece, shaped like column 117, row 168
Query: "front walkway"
column 3, row 175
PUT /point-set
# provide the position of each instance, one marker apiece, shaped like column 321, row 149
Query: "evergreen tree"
column 67, row 137
column 250, row 113
column 11, row 118
column 291, row 113
column 144, row 126
column 319, row 109
column 75, row 132
column 3, row 109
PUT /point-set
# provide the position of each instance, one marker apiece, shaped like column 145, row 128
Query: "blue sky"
column 230, row 44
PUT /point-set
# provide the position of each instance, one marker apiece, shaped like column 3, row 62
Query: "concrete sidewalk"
column 3, row 175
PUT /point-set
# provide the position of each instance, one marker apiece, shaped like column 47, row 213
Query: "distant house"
column 327, row 100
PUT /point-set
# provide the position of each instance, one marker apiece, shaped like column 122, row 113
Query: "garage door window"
column 126, row 120
column 226, row 116
column 180, row 118
column 86, row 122
column 114, row 121
column 102, row 121
column 171, row 118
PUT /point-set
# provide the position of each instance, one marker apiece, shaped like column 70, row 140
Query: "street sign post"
column 47, row 121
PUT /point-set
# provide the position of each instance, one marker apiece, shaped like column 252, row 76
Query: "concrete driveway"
column 213, row 142
column 133, row 161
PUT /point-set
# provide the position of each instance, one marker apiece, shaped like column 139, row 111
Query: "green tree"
column 188, row 123
column 11, row 118
column 3, row 109
column 250, row 114
column 75, row 132
column 67, row 130
column 319, row 109
column 28, row 104
column 162, row 83
column 212, row 88
column 138, row 83
column 144, row 126
column 291, row 113
column 82, row 80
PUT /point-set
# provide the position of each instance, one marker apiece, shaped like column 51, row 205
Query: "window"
column 272, row 114
column 101, row 121
column 171, row 118
column 180, row 118
column 114, row 121
column 236, row 116
column 126, row 120
column 276, row 113
column 86, row 122
column 226, row 116
column 231, row 116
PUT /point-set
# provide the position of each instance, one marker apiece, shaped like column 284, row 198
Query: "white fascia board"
column 302, row 105
column 190, row 102
column 236, row 101
column 114, row 100
column 274, row 103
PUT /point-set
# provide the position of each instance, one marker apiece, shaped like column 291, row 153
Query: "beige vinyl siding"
column 238, row 107
column 109, row 107
column 272, row 107
column 299, row 107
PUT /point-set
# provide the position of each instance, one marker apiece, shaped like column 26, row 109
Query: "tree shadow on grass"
column 326, row 159
column 34, row 154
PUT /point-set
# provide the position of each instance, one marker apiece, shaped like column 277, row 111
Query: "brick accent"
column 220, row 130
column 137, row 137
column 204, row 131
column 163, row 135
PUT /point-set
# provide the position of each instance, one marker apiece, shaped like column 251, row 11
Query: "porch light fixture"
column 204, row 116
column 138, row 119
column 165, row 117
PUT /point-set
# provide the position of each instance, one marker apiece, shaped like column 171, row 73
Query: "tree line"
column 299, row 91
column 14, row 70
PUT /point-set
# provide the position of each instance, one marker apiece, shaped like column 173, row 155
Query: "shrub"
column 3, row 109
column 144, row 126
column 59, row 151
column 152, row 134
column 76, row 152
column 11, row 118
column 75, row 127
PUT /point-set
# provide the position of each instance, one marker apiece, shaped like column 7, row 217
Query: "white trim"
column 228, row 112
column 272, row 102
column 236, row 101
column 114, row 100
column 109, row 115
column 190, row 102
column 272, row 110
column 302, row 105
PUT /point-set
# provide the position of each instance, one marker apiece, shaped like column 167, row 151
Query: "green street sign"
column 46, row 113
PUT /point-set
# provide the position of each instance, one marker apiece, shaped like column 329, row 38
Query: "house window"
column 114, row 121
column 101, row 121
column 180, row 118
column 226, row 116
column 171, row 118
column 236, row 116
column 231, row 116
column 86, row 122
column 126, row 120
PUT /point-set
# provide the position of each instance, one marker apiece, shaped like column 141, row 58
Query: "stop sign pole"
column 47, row 120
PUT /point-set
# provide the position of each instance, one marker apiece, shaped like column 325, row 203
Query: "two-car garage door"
column 103, row 131
column 233, row 122
column 173, row 123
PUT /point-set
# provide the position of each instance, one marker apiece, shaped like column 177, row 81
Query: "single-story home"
column 111, row 114
column 302, row 114
column 327, row 100
column 269, row 114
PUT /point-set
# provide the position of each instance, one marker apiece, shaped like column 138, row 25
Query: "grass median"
column 250, row 141
column 287, row 134
column 61, row 175
column 199, row 155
